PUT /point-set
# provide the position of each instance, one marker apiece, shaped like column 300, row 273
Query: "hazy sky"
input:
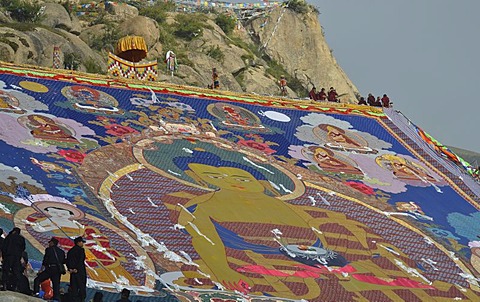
column 425, row 54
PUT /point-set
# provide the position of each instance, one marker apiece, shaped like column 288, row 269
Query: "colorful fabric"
column 222, row 196
column 143, row 71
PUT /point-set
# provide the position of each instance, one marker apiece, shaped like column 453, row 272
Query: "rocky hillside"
column 250, row 55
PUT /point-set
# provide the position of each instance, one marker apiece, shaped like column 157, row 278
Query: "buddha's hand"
column 236, row 281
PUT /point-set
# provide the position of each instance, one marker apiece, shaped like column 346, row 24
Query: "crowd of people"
column 332, row 96
column 376, row 102
column 15, row 267
column 322, row 95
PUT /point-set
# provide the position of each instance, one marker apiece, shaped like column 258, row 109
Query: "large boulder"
column 122, row 11
column 6, row 53
column 156, row 52
column 190, row 76
column 141, row 26
column 56, row 16
column 17, row 46
column 92, row 33
column 215, row 37
column 76, row 25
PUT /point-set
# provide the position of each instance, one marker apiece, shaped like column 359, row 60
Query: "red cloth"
column 46, row 286
column 404, row 282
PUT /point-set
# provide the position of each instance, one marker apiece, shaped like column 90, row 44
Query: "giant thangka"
column 204, row 195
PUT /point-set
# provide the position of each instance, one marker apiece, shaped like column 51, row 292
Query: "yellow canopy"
column 131, row 48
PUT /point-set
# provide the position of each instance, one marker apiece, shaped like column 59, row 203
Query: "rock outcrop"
column 122, row 11
column 56, row 16
column 141, row 26
column 35, row 47
column 299, row 45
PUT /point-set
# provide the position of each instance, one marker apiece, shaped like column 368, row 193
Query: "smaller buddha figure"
column 45, row 128
column 404, row 169
column 327, row 161
column 339, row 139
column 91, row 100
column 232, row 116
column 9, row 103
column 62, row 221
column 47, row 166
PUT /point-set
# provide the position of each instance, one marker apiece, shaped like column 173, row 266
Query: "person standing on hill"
column 78, row 271
column 216, row 82
column 51, row 268
column 13, row 248
column 283, row 85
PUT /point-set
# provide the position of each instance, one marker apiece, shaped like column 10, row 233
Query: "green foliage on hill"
column 158, row 11
column 107, row 41
column 216, row 53
column 190, row 26
column 301, row 7
column 276, row 70
column 22, row 11
column 226, row 23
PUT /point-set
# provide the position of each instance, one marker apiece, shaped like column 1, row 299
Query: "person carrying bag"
column 53, row 267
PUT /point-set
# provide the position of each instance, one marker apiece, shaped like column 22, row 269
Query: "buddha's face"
column 39, row 119
column 59, row 213
column 321, row 155
column 228, row 178
column 398, row 165
column 336, row 135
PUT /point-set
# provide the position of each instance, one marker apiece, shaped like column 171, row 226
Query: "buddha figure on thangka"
column 9, row 103
column 253, row 229
column 107, row 248
column 45, row 128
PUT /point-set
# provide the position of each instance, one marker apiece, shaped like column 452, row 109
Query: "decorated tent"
column 199, row 195
column 127, row 61
column 131, row 48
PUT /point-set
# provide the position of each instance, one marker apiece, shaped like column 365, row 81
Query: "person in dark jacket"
column 53, row 259
column 13, row 248
column 1, row 248
column 1, row 241
column 371, row 100
column 78, row 271
column 124, row 295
